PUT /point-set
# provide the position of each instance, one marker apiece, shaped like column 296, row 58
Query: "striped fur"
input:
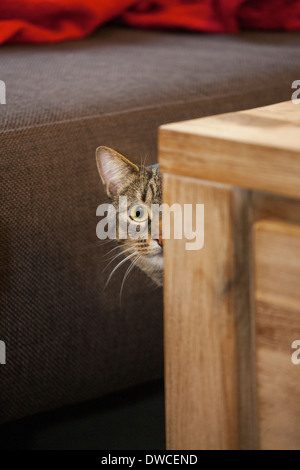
column 142, row 186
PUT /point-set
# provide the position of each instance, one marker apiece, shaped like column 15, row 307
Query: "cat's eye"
column 138, row 213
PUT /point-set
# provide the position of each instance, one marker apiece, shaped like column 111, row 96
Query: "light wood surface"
column 277, row 296
column 205, row 321
column 232, row 309
column 270, row 206
column 256, row 149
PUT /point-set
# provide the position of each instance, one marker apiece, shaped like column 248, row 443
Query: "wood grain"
column 203, row 383
column 232, row 309
column 277, row 295
column 242, row 220
column 257, row 149
column 273, row 207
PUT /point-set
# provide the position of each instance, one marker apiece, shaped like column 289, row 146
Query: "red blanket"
column 57, row 20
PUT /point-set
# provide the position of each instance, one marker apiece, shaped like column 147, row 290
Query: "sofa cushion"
column 68, row 340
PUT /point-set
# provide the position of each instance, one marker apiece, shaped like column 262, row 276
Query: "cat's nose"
column 159, row 240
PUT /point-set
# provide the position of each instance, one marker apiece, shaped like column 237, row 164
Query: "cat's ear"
column 114, row 170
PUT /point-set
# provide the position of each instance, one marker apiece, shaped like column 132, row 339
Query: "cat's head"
column 142, row 187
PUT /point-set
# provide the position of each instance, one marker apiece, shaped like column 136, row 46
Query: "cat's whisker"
column 129, row 269
column 105, row 242
column 118, row 247
column 113, row 249
column 118, row 265
column 117, row 256
column 97, row 243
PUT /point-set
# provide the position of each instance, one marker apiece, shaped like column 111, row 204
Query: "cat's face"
column 142, row 187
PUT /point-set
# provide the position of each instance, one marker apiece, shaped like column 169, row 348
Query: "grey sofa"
column 68, row 340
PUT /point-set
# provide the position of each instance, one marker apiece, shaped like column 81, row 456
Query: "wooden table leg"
column 208, row 328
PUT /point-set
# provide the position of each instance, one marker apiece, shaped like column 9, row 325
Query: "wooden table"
column 232, row 309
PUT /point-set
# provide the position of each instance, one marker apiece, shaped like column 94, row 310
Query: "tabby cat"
column 142, row 186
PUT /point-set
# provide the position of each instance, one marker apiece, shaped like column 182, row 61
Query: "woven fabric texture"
column 67, row 340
